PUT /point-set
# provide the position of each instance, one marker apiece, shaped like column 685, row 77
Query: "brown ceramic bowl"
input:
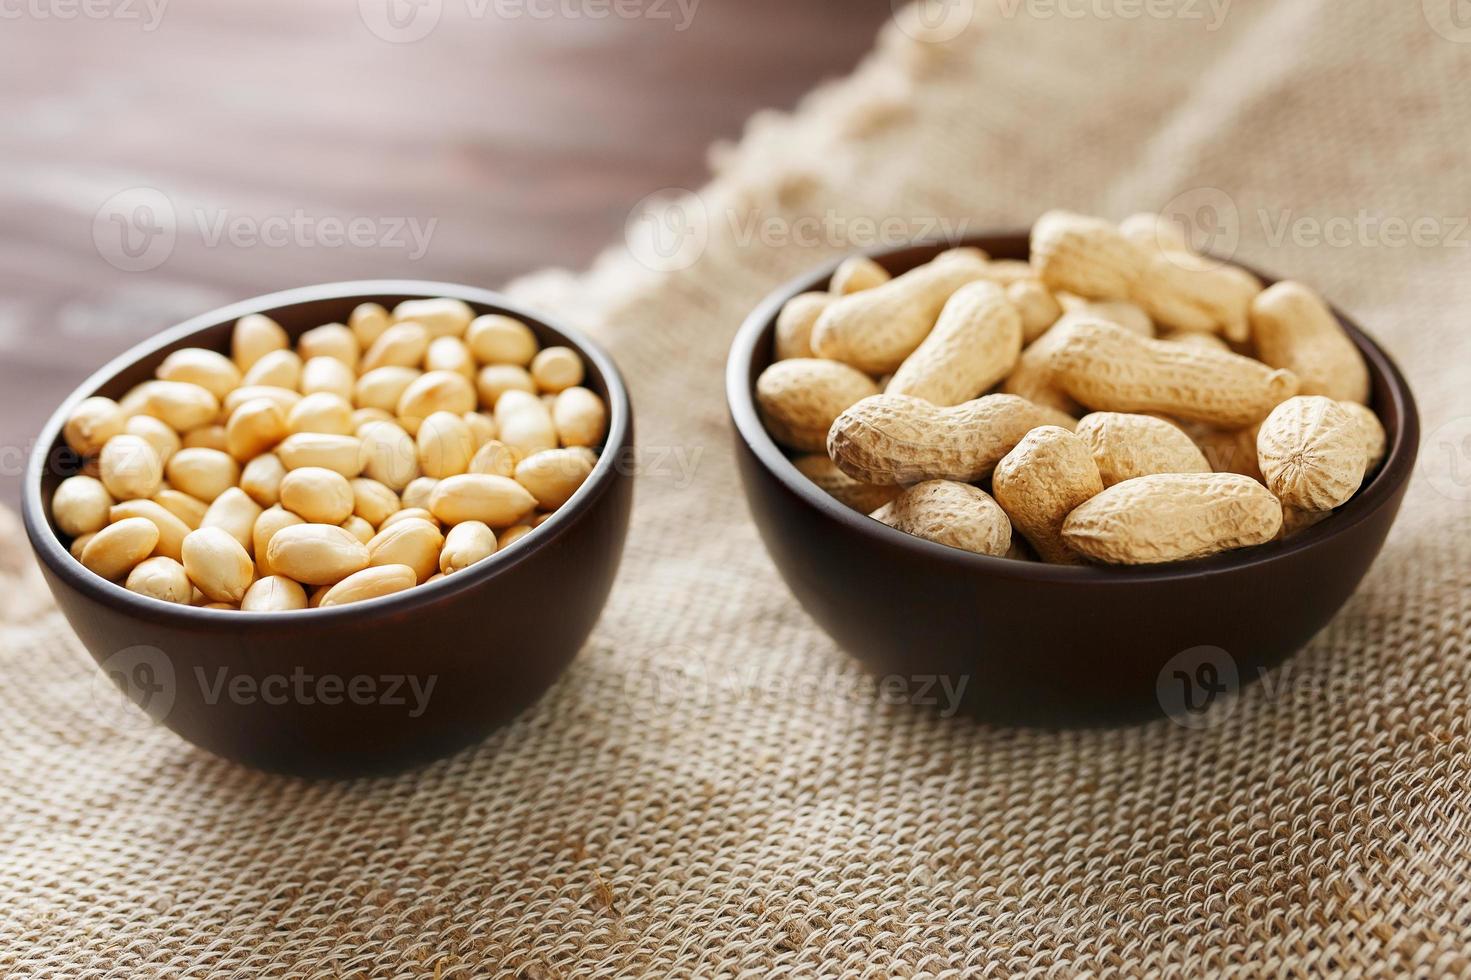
column 1050, row 644
column 346, row 690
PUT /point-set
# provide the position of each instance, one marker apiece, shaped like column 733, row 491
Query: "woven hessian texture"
column 713, row 790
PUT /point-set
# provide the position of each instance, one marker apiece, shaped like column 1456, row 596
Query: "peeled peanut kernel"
column 1046, row 475
column 876, row 329
column 321, row 412
column 330, row 340
column 183, row 406
column 343, row 454
column 80, row 545
column 1173, row 517
column 464, row 545
column 277, row 369
column 857, row 273
column 1110, row 369
column 367, row 323
column 254, row 428
column 328, row 375
column 525, row 424
column 164, row 440
column 372, row 501
column 189, row 509
column 117, row 549
column 795, row 322
column 580, row 417
column 974, row 344
column 92, row 423
column 80, row 506
column 274, row 593
column 450, row 354
column 408, row 514
column 171, row 530
column 554, row 475
column 1294, row 329
column 441, row 316
column 511, row 535
column 410, row 542
column 206, row 368
column 370, row 583
column 217, row 564
column 541, row 519
column 362, row 416
column 895, row 439
column 261, row 479
column 131, row 467
column 417, row 493
column 160, row 578
column 283, row 397
column 482, row 428
column 234, row 513
column 954, row 514
column 401, row 345
column 1084, row 255
column 202, row 473
column 862, row 497
column 434, row 391
column 389, row 455
column 1036, row 306
column 493, row 500
column 383, row 387
column 255, row 336
column 556, row 368
column 497, row 339
column 266, row 526
column 1125, row 446
column 317, row 495
column 207, row 437
column 358, row 528
column 800, row 397
column 445, row 445
column 1313, row 453
column 316, row 554
column 494, row 458
column 495, row 380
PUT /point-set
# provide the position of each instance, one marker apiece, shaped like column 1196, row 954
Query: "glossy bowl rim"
column 47, row 543
column 1393, row 472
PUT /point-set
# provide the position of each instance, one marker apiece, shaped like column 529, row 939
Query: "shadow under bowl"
column 1030, row 643
column 371, row 687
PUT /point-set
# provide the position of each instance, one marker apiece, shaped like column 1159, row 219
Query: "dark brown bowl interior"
column 1050, row 644
column 343, row 690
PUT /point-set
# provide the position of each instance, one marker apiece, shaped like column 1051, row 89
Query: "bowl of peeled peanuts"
column 1083, row 473
column 342, row 528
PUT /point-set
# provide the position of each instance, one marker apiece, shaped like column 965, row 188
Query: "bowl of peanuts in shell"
column 298, row 510
column 1064, row 469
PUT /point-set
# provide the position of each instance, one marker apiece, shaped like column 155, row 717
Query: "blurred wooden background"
column 511, row 136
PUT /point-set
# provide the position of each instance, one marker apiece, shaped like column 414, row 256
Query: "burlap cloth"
column 713, row 790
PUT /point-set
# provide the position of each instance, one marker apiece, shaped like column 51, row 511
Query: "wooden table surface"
column 514, row 134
